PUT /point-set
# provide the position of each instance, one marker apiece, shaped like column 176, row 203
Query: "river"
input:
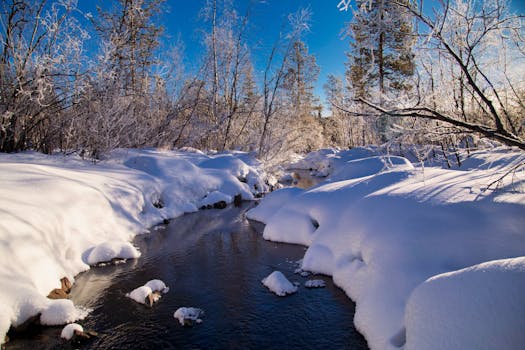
column 213, row 260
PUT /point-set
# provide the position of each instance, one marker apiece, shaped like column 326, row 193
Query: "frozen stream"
column 213, row 260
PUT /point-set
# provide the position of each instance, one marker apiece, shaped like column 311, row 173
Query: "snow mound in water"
column 488, row 299
column 315, row 284
column 158, row 286
column 112, row 250
column 69, row 330
column 60, row 312
column 188, row 315
column 279, row 284
column 141, row 293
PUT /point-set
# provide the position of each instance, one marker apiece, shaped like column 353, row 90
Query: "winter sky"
column 325, row 40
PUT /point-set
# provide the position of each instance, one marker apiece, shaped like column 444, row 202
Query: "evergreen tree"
column 381, row 57
column 301, row 74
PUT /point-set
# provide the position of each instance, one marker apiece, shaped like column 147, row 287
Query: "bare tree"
column 39, row 66
column 479, row 44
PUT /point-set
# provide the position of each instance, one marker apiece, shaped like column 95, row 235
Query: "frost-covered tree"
column 40, row 72
column 121, row 108
column 381, row 58
column 229, row 73
column 301, row 74
column 471, row 82
column 277, row 130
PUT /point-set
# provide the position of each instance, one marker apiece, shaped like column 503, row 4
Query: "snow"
column 61, row 311
column 381, row 227
column 487, row 298
column 141, row 293
column 279, row 284
column 61, row 214
column 215, row 197
column 69, row 330
column 158, row 286
column 107, row 251
column 314, row 284
column 187, row 315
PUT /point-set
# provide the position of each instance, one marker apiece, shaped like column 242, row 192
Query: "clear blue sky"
column 324, row 40
column 266, row 17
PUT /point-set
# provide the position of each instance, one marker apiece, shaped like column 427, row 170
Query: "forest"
column 449, row 75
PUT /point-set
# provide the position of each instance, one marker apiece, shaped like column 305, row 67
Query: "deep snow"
column 383, row 228
column 429, row 254
column 59, row 215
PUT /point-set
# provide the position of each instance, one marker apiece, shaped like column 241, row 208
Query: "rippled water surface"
column 213, row 260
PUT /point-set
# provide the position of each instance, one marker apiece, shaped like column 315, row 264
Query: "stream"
column 213, row 260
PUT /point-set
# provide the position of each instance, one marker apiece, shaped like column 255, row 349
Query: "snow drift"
column 381, row 228
column 58, row 215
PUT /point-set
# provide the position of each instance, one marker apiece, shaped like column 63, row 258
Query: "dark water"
column 213, row 260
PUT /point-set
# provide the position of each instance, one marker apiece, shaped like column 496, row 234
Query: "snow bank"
column 58, row 215
column 107, row 251
column 69, row 330
column 381, row 227
column 323, row 162
column 279, row 284
column 62, row 311
column 480, row 307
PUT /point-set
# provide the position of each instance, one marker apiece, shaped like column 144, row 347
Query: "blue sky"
column 324, row 40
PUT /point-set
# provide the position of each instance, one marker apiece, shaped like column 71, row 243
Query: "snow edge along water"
column 381, row 228
column 59, row 215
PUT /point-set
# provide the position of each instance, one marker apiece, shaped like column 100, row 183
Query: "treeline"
column 444, row 78
column 55, row 95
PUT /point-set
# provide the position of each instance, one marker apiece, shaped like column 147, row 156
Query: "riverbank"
column 61, row 214
column 418, row 248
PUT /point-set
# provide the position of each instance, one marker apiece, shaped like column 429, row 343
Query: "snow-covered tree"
column 471, row 52
column 40, row 72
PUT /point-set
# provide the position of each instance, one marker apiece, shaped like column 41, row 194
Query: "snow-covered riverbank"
column 432, row 258
column 60, row 214
column 401, row 240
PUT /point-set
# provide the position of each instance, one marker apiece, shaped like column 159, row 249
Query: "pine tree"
column 301, row 74
column 381, row 57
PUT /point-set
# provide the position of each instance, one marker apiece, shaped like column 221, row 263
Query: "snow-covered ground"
column 418, row 248
column 58, row 215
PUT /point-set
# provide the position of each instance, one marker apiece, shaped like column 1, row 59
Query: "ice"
column 315, row 284
column 279, row 284
column 188, row 315
column 69, row 330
